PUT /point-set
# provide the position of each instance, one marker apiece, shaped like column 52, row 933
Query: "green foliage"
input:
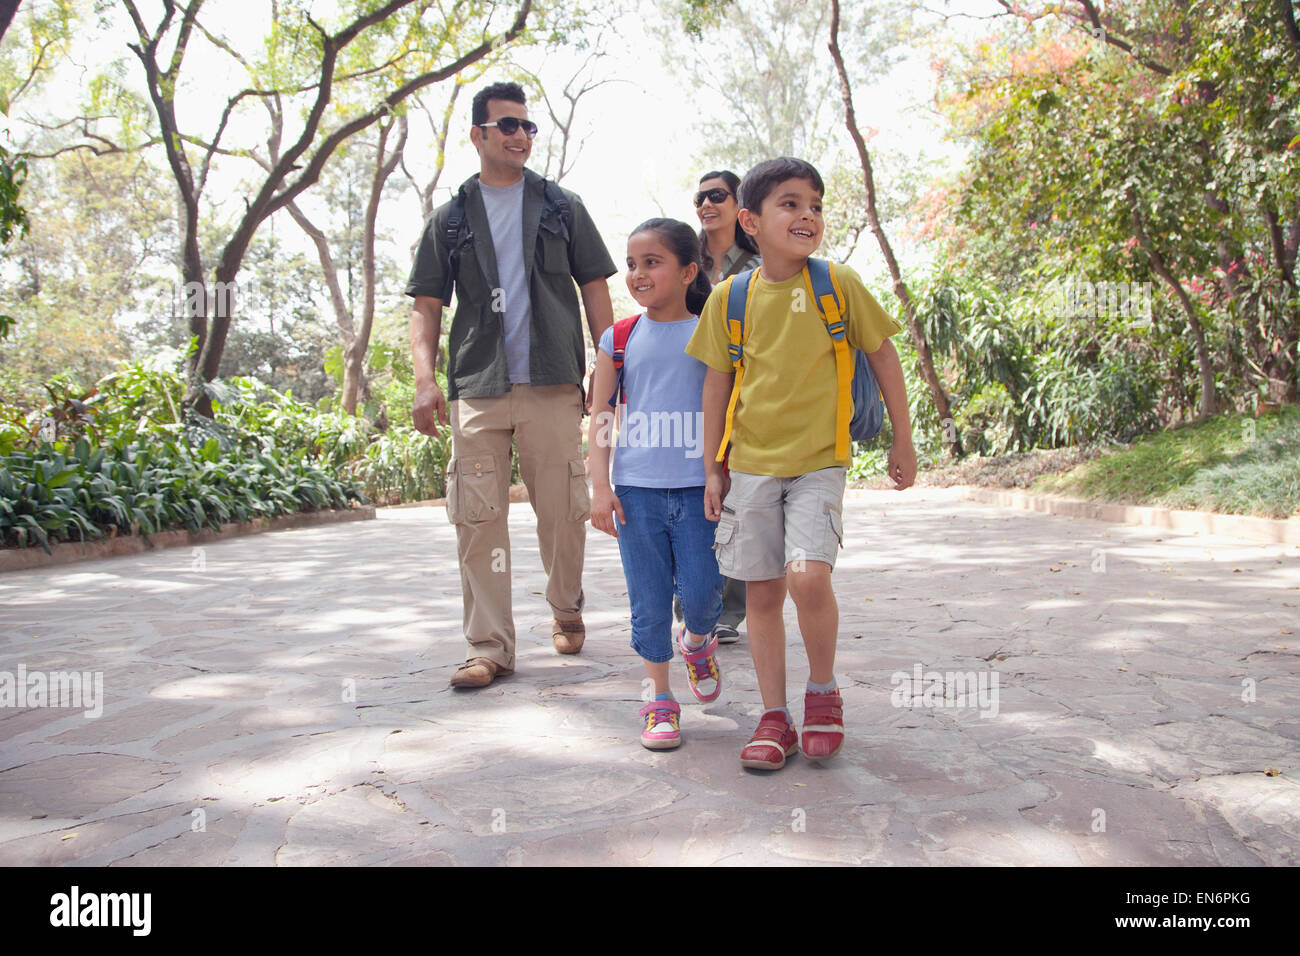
column 696, row 15
column 126, row 457
column 61, row 491
column 1081, row 145
column 13, row 218
column 93, row 265
column 1232, row 463
column 1019, row 376
column 1263, row 480
column 404, row 465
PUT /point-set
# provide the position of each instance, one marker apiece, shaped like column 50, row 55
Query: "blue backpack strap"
column 737, row 302
column 868, row 411
column 622, row 332
column 737, row 305
column 819, row 273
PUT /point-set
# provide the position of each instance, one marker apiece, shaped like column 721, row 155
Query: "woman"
column 727, row 249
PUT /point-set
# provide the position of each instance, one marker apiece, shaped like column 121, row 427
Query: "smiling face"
column 718, row 217
column 502, row 157
column 655, row 278
column 790, row 225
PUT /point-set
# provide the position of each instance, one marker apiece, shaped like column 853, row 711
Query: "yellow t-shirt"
column 784, row 423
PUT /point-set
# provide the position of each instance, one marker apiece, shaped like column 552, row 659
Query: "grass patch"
column 1235, row 464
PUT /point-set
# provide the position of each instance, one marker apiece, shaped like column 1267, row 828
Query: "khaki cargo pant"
column 546, row 423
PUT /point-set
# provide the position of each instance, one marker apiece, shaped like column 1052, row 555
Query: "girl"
column 656, row 504
column 727, row 248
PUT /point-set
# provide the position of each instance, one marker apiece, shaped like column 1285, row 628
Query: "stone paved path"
column 283, row 698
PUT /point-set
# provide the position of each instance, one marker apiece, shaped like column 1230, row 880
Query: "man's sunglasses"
column 509, row 125
column 715, row 196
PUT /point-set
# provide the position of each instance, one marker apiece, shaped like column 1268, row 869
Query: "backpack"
column 553, row 200
column 859, row 411
column 622, row 331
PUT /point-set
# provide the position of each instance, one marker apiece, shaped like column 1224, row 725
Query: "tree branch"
column 1288, row 21
column 924, row 358
column 268, row 201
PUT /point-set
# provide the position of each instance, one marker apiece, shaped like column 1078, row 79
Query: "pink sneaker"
column 661, row 725
column 823, row 725
column 702, row 667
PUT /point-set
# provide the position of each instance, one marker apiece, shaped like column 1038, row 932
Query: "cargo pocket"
column 473, row 495
column 724, row 544
column 834, row 529
column 579, row 495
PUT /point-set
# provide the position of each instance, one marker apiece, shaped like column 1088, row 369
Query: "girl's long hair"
column 742, row 239
column 680, row 239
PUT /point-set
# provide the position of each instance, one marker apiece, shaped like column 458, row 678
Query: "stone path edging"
column 67, row 552
column 1271, row 530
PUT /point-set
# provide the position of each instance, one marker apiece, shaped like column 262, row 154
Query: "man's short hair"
column 767, row 175
column 497, row 91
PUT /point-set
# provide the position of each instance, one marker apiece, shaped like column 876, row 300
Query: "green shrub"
column 404, row 465
column 57, row 493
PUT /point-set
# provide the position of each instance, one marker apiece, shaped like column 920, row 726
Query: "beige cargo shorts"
column 768, row 523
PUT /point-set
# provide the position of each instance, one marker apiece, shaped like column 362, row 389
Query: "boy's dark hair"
column 680, row 240
column 513, row 92
column 767, row 175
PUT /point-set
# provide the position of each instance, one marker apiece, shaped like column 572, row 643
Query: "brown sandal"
column 568, row 636
column 476, row 672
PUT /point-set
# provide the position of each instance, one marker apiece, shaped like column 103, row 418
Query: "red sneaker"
column 823, row 725
column 773, row 741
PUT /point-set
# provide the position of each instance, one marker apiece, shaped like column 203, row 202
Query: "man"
column 514, row 369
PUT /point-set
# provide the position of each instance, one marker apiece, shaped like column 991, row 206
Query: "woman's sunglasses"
column 509, row 125
column 715, row 196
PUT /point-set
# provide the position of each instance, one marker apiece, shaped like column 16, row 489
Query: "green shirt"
column 736, row 260
column 555, row 257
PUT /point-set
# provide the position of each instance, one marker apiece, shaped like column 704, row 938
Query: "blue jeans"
column 667, row 549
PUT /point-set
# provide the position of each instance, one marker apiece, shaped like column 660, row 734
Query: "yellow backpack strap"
column 819, row 274
column 739, row 294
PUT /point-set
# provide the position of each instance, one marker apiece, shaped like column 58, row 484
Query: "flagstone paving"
column 283, row 699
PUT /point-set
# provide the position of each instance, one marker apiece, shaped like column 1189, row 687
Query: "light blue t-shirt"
column 505, row 213
column 660, row 442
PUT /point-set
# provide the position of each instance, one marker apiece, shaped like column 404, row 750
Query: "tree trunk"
column 923, row 357
column 1209, row 403
column 303, row 160
column 354, row 381
column 7, row 10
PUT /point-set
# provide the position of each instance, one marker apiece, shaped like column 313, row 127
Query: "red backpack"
column 622, row 331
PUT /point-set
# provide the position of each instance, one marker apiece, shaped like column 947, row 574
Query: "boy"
column 779, row 527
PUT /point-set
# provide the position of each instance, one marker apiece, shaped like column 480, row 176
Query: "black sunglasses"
column 509, row 125
column 715, row 196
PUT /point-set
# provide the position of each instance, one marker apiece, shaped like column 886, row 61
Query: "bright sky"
column 639, row 159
